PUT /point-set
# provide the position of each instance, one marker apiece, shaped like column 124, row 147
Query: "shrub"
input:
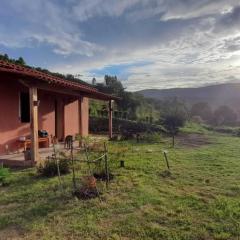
column 238, row 132
column 172, row 122
column 49, row 167
column 99, row 125
column 4, row 174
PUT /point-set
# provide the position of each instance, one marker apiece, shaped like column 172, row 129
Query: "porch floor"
column 18, row 160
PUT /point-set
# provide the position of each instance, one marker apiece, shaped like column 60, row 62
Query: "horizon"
column 164, row 44
column 196, row 87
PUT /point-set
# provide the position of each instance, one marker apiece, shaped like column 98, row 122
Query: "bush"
column 4, row 174
column 100, row 125
column 49, row 167
column 172, row 122
column 238, row 132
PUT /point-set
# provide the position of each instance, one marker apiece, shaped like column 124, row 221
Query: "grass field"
column 199, row 200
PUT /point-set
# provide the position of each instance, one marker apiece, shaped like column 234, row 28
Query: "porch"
column 18, row 159
column 53, row 104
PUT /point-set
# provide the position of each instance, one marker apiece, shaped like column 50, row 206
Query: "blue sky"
column 146, row 43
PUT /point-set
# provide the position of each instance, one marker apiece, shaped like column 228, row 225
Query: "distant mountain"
column 216, row 95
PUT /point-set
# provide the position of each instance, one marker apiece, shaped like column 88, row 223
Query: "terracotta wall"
column 73, row 111
column 71, row 117
column 46, row 112
column 10, row 125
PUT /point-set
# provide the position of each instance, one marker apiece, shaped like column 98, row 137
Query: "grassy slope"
column 200, row 200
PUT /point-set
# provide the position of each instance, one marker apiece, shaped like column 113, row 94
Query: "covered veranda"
column 69, row 101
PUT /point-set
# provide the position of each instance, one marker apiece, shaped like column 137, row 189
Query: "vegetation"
column 21, row 61
column 4, row 175
column 199, row 200
column 120, row 126
column 172, row 122
column 203, row 110
column 223, row 115
column 49, row 168
column 174, row 116
column 132, row 106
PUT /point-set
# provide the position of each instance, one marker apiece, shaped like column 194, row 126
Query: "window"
column 24, row 107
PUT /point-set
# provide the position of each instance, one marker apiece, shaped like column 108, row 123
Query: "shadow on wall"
column 11, row 145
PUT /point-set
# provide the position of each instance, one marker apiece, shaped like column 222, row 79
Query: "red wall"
column 72, row 112
column 71, row 117
column 11, row 127
column 46, row 113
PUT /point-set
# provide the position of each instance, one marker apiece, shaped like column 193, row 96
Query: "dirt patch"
column 192, row 140
column 12, row 233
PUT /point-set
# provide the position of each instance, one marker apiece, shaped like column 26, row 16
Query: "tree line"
column 222, row 115
column 22, row 62
column 131, row 106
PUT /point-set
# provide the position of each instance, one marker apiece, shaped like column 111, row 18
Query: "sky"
column 147, row 43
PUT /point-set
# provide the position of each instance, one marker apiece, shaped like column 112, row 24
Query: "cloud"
column 185, row 9
column 228, row 23
column 86, row 9
column 44, row 22
column 160, row 43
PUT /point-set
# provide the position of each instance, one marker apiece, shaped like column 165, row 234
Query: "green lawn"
column 199, row 200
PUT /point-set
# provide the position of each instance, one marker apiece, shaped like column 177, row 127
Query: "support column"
column 34, row 123
column 80, row 116
column 110, row 116
column 83, row 116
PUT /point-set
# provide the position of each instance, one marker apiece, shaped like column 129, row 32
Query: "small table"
column 27, row 143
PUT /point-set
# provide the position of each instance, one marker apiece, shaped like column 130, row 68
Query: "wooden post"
column 110, row 119
column 166, row 159
column 106, row 164
column 80, row 116
column 83, row 116
column 34, row 123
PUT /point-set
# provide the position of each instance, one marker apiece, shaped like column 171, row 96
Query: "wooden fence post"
column 106, row 165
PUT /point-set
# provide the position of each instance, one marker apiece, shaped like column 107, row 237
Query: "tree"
column 134, row 106
column 224, row 115
column 20, row 61
column 203, row 110
column 4, row 57
column 127, row 103
column 94, row 81
column 172, row 122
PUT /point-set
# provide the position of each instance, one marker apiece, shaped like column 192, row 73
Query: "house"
column 31, row 100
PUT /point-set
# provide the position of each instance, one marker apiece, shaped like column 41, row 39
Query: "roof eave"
column 32, row 73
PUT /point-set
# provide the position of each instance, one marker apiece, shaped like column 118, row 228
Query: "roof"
column 19, row 70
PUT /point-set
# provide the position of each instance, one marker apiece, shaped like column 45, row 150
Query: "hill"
column 216, row 95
